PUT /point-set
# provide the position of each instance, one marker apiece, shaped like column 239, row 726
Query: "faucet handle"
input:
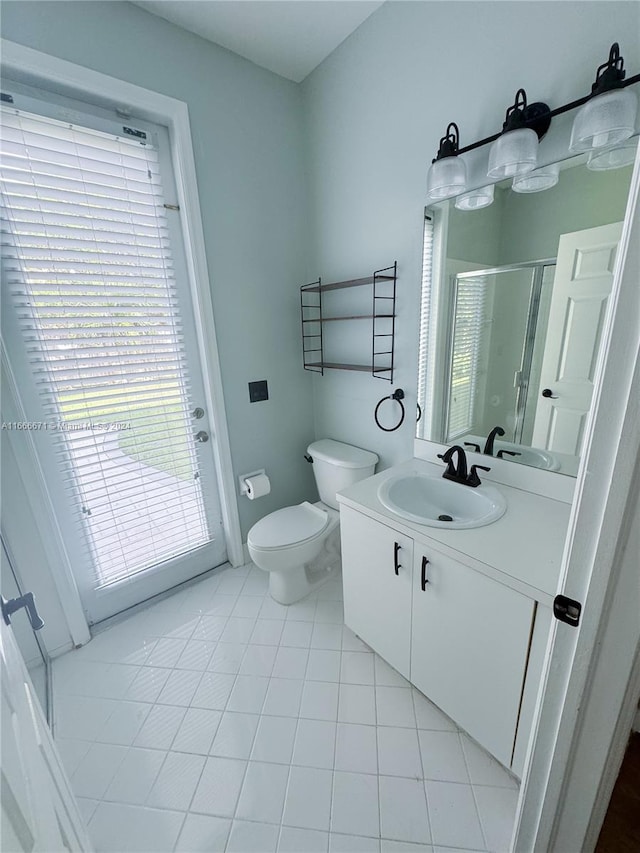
column 502, row 453
column 473, row 479
column 475, row 446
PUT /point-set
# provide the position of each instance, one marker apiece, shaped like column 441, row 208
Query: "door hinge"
column 567, row 610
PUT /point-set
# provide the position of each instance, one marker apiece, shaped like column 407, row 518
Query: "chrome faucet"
column 458, row 474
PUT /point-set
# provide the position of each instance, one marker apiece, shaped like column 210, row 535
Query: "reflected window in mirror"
column 514, row 297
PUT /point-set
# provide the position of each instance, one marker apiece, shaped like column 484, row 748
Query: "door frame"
column 43, row 70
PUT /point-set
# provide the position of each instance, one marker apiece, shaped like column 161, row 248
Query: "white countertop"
column 523, row 549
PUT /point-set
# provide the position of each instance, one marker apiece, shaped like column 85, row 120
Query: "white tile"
column 219, row 786
column 82, row 717
column 430, row 717
column 294, row 840
column 256, row 584
column 274, row 740
column 283, row 697
column 197, row 731
column 331, row 591
column 357, row 704
column 123, row 646
column 124, row 723
column 267, row 632
column 357, row 668
column 438, row 849
column 323, row 665
column 272, row 609
column 227, row 658
column 210, row 628
column 116, row 681
column 389, row 846
column 352, row 844
column 203, row 834
column 308, row 802
column 95, row 771
column 356, row 748
column 290, row 662
column 302, row 611
column 453, row 815
column 237, row 630
column 160, row 727
column 230, row 585
column 263, row 790
column 315, row 744
column 73, row 676
column 330, row 611
column 248, row 606
column 297, row 634
column 166, row 652
column 442, row 757
column 213, row 691
column 235, row 735
column 326, row 636
column 258, row 660
column 403, row 810
column 176, row 782
column 387, row 676
column 319, row 701
column 180, row 687
column 87, row 808
column 135, row 776
column 128, row 828
column 497, row 809
column 196, row 655
column 147, row 684
column 394, row 706
column 355, row 804
column 221, row 605
column 483, row 768
column 351, row 643
column 248, row 694
column 72, row 751
column 248, row 837
column 399, row 752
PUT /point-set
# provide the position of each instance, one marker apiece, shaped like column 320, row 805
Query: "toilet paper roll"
column 257, row 486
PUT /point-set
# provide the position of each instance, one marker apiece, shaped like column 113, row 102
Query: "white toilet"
column 300, row 545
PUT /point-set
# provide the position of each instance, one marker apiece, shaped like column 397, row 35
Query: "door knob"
column 549, row 394
column 197, row 413
column 202, row 436
column 26, row 601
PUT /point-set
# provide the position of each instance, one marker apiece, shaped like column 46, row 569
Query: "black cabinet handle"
column 396, row 564
column 423, row 580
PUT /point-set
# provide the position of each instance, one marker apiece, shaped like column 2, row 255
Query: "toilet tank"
column 337, row 465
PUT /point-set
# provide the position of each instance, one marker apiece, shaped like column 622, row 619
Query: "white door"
column 39, row 811
column 98, row 323
column 581, row 289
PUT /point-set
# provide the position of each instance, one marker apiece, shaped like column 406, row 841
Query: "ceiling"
column 289, row 37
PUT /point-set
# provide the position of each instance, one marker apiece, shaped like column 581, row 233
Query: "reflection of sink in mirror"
column 526, row 455
column 437, row 502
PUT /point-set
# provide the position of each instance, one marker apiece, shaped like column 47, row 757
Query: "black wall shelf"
column 383, row 305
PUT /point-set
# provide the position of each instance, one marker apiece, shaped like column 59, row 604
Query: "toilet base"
column 293, row 585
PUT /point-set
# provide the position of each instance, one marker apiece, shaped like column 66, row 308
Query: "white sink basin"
column 437, row 502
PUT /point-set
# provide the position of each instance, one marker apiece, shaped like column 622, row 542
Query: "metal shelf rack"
column 383, row 310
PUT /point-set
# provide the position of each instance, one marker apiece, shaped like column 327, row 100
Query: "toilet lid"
column 288, row 526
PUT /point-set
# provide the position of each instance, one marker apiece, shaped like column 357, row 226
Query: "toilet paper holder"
column 242, row 479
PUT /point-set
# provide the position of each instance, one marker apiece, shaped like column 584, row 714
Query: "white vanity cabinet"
column 469, row 645
column 460, row 637
column 377, row 587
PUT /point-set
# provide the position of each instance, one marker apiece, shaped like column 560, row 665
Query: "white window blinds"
column 87, row 257
column 425, row 356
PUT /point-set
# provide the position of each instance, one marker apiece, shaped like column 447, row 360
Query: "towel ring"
column 398, row 396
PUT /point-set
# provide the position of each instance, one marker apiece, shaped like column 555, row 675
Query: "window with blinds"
column 426, row 355
column 466, row 360
column 87, row 258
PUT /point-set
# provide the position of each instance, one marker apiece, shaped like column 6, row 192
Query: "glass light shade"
column 606, row 120
column 476, row 199
column 513, row 153
column 446, row 178
column 613, row 158
column 540, row 179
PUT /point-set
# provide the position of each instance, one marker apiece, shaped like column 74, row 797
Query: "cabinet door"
column 470, row 639
column 376, row 571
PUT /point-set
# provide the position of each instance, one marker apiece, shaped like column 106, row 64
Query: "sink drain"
column 445, row 518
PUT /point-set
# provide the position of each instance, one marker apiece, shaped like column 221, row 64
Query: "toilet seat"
column 288, row 527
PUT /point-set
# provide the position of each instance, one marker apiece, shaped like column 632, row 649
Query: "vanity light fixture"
column 540, row 179
column 609, row 119
column 609, row 115
column 476, row 199
column 613, row 158
column 448, row 173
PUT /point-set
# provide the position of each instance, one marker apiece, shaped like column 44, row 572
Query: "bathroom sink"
column 437, row 502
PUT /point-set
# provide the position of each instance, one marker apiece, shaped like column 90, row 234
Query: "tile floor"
column 219, row 720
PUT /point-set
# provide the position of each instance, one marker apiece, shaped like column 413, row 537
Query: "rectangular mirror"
column 513, row 300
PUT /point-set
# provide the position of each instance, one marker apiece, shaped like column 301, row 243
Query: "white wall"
column 376, row 109
column 247, row 133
